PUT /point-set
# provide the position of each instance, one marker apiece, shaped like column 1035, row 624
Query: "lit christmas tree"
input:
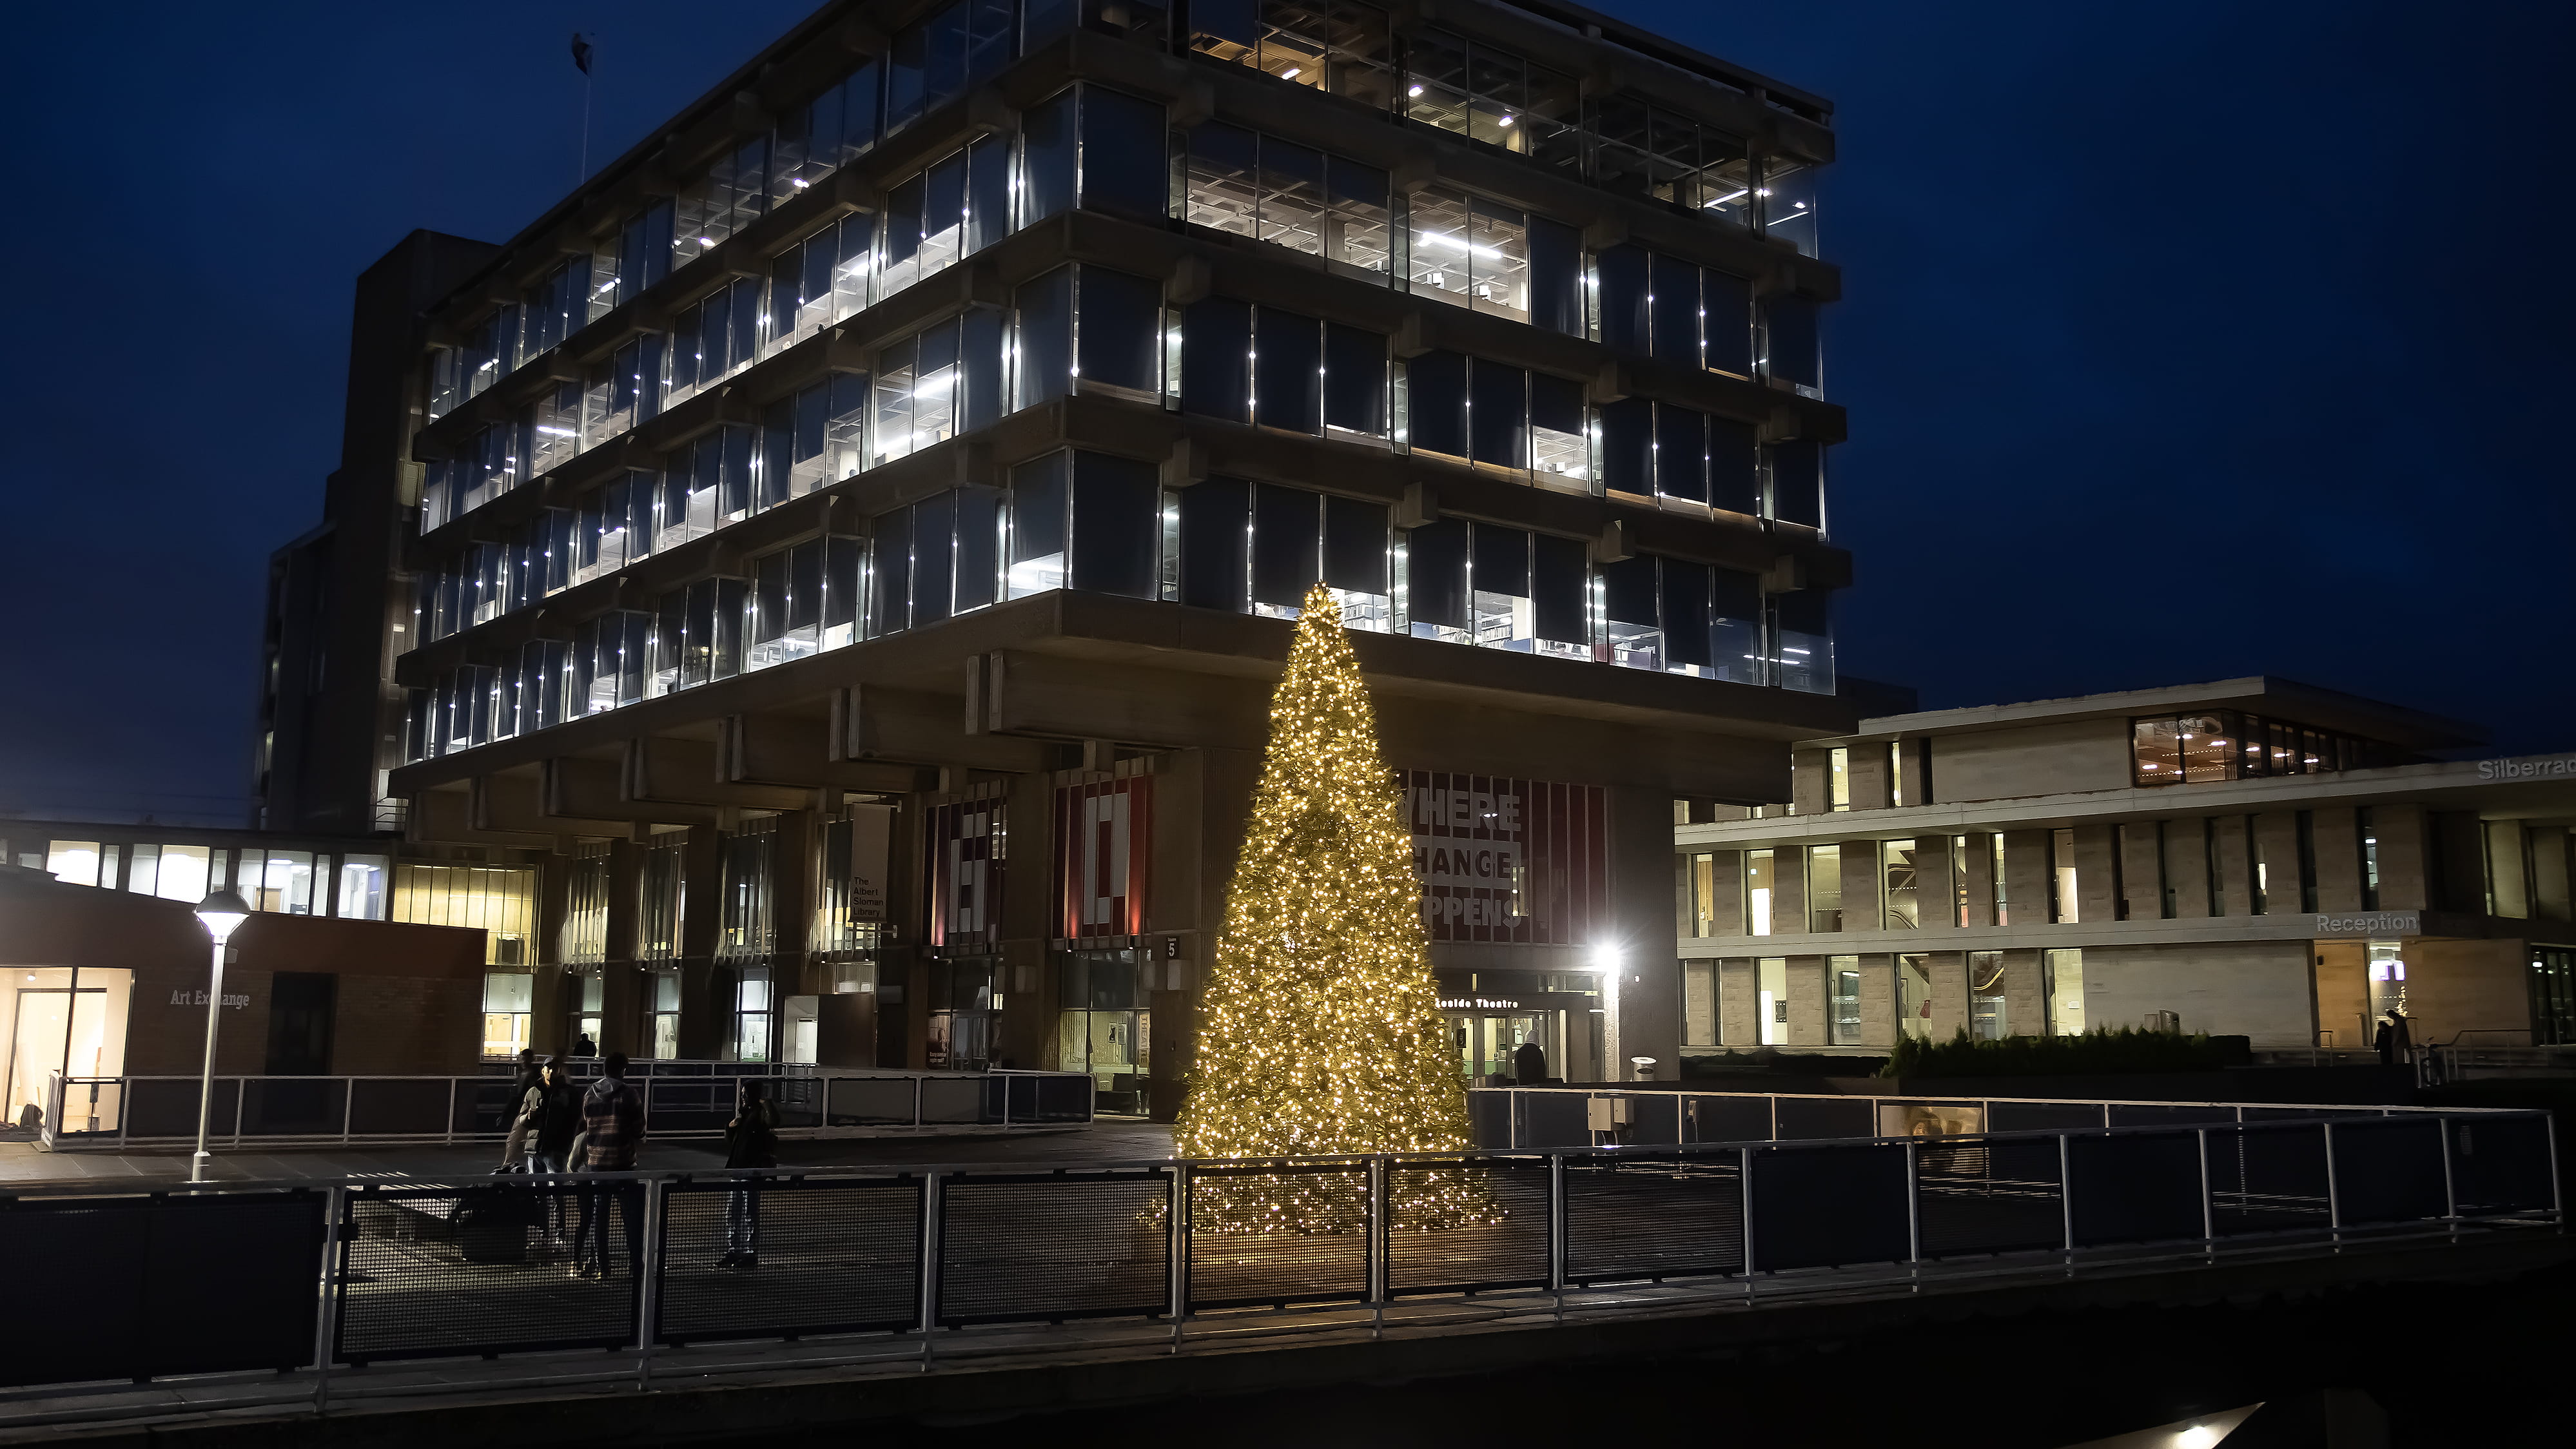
column 1321, row 1032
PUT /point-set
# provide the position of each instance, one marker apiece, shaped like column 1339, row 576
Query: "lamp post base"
column 198, row 1165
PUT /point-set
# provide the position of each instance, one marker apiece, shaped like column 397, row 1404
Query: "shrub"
column 2127, row 1049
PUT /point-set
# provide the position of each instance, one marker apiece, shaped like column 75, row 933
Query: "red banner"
column 968, row 849
column 1523, row 862
column 1103, row 835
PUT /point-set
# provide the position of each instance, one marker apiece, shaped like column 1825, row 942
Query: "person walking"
column 526, row 1094
column 751, row 1140
column 612, row 1115
column 584, row 1047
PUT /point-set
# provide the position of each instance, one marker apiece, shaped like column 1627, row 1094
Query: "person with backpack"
column 612, row 1117
column 525, row 1090
column 751, row 1140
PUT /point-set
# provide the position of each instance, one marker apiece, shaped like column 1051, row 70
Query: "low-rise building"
column 105, row 986
column 2249, row 857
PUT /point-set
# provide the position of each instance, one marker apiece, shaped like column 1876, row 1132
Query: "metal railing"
column 328, row 1280
column 1546, row 1117
column 117, row 1113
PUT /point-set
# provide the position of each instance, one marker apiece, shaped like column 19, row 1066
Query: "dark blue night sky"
column 2180, row 341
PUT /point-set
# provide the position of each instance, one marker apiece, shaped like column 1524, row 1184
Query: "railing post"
column 648, row 1278
column 2066, row 1196
column 1378, row 1234
column 931, row 1208
column 2208, row 1207
column 326, row 1316
column 1913, row 1216
column 2450, row 1190
column 1556, row 1227
column 241, row 1103
column 2334, row 1199
column 1775, row 1118
column 1176, row 1249
column 917, row 1084
column 2557, row 1196
column 1744, row 1171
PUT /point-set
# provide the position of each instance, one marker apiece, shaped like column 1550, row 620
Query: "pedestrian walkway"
column 1109, row 1139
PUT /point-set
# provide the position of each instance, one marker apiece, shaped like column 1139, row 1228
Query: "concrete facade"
column 947, row 737
column 2289, row 906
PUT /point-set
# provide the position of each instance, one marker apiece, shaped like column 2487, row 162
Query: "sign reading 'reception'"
column 1524, row 862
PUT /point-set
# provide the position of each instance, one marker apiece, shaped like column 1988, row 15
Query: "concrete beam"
column 660, row 768
column 577, row 785
column 793, row 751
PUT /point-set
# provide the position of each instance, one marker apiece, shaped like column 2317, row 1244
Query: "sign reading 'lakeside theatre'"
column 1523, row 862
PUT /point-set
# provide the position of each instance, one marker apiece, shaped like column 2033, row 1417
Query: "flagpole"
column 585, row 128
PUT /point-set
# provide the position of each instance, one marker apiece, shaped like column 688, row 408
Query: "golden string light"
column 1320, row 1032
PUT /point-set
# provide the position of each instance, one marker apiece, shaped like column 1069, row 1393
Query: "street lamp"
column 219, row 913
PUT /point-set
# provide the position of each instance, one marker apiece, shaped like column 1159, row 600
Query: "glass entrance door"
column 1486, row 1042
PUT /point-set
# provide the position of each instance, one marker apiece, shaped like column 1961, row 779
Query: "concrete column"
column 2338, row 846
column 1864, row 909
column 1978, row 870
column 2235, row 866
column 1809, row 999
column 2404, row 853
column 2187, row 866
column 1949, row 995
column 2025, row 994
column 2097, row 875
column 1025, row 1036
column 622, row 1003
column 1935, row 884
column 554, row 993
column 2549, row 857
column 1869, row 777
column 1646, row 1017
column 1912, row 774
column 2141, row 881
column 554, row 892
column 2026, row 876
column 2276, row 833
column 1808, row 770
column 1788, row 890
column 2508, row 871
column 2459, row 864
column 1878, row 1001
column 1739, row 991
column 1726, row 900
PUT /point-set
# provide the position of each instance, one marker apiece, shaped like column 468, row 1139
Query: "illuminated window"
column 1757, row 895
column 497, row 900
column 508, row 997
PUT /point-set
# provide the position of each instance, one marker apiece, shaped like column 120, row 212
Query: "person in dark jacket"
column 751, row 1140
column 1529, row 1064
column 585, row 1047
column 612, row 1117
column 558, row 1121
column 514, row 1148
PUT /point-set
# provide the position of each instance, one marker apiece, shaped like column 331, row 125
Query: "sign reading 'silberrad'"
column 1523, row 862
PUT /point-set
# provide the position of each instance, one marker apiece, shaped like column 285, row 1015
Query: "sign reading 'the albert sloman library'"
column 1519, row 861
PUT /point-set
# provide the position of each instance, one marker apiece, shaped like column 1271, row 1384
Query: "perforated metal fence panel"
column 2500, row 1166
column 1823, row 1207
column 1489, row 1120
column 1654, row 1120
column 1653, row 1217
column 115, row 1288
column 1988, row 1197
column 1728, row 1119
column 824, row 1255
column 1054, row 1246
column 1480, row 1225
column 869, row 1101
column 1554, row 1119
column 2388, row 1170
column 1295, row 1233
column 2135, row 1187
column 399, row 1106
column 2268, row 1179
column 433, row 1271
column 2010, row 1116
column 1813, row 1118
